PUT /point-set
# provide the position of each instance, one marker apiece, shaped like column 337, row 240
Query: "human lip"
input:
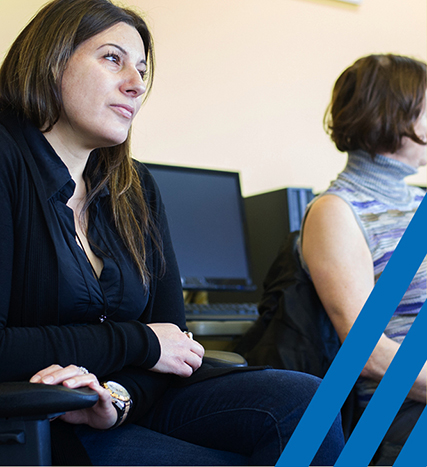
column 124, row 110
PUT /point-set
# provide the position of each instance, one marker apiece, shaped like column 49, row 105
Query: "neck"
column 382, row 177
column 75, row 159
column 73, row 156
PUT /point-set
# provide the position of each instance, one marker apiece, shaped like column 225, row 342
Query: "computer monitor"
column 207, row 223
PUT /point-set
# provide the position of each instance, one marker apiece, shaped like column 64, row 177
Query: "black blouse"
column 31, row 334
column 118, row 294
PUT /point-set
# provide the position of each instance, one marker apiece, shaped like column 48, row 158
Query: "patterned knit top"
column 383, row 205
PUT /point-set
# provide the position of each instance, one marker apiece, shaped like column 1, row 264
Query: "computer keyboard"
column 221, row 312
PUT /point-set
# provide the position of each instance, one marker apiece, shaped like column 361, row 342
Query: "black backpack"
column 293, row 331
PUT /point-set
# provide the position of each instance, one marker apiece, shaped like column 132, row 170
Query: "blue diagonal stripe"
column 359, row 344
column 388, row 397
column 414, row 452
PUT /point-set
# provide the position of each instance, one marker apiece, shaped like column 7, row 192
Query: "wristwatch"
column 121, row 400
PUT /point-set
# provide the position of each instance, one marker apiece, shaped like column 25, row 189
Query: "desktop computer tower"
column 270, row 217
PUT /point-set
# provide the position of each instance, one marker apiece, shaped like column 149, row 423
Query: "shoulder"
column 146, row 179
column 331, row 225
column 330, row 208
column 417, row 193
column 11, row 157
column 149, row 186
column 8, row 145
column 12, row 140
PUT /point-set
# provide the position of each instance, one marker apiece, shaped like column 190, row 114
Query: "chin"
column 114, row 139
column 116, row 143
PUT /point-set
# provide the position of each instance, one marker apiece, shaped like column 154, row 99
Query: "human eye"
column 143, row 74
column 113, row 57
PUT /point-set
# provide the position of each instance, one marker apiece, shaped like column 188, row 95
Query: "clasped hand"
column 179, row 355
column 100, row 416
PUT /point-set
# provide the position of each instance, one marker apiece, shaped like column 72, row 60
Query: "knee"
column 303, row 385
column 287, row 392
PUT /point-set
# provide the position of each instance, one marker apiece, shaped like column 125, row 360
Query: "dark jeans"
column 238, row 419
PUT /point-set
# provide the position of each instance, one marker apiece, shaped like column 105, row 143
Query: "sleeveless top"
column 383, row 205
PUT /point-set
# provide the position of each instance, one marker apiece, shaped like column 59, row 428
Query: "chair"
column 222, row 358
column 26, row 408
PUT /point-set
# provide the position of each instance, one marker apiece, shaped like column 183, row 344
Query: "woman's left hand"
column 101, row 416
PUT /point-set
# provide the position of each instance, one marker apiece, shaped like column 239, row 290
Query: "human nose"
column 133, row 83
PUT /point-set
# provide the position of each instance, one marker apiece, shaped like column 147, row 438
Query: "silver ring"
column 189, row 334
column 83, row 370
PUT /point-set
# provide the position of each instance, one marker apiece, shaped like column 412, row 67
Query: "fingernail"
column 35, row 379
column 47, row 379
column 70, row 382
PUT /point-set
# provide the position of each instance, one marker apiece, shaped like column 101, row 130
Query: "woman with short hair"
column 378, row 115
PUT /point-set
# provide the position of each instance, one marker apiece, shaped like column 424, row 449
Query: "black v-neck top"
column 50, row 301
column 118, row 293
column 49, row 298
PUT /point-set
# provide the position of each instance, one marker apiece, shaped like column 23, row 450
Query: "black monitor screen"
column 206, row 220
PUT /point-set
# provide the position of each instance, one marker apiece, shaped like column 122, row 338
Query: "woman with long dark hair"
column 90, row 289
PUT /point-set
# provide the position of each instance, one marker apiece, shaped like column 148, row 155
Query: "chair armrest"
column 221, row 358
column 22, row 399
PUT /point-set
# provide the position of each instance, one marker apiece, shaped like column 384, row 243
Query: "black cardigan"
column 30, row 337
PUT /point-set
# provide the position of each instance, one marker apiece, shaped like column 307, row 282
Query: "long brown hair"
column 30, row 85
column 375, row 102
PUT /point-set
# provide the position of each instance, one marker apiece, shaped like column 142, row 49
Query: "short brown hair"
column 375, row 102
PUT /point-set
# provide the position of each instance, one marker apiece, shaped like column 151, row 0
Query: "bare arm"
column 341, row 268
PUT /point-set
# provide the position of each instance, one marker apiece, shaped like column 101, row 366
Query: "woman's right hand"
column 101, row 416
column 179, row 354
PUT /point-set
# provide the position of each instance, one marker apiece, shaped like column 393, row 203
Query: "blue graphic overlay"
column 388, row 397
column 358, row 345
column 414, row 452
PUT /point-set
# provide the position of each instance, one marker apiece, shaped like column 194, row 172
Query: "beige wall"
column 243, row 84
